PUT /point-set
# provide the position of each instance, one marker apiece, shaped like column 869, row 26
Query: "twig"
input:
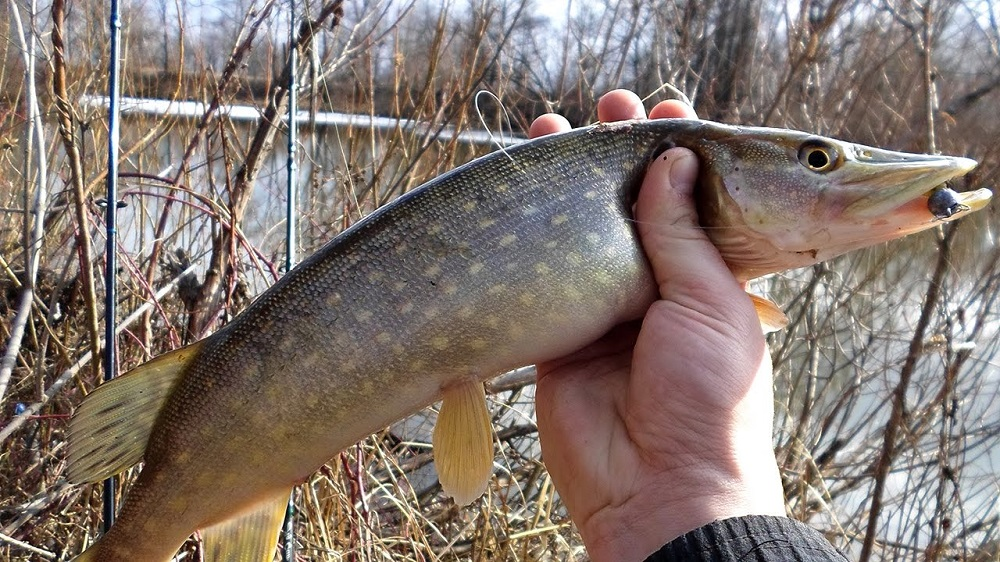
column 33, row 239
column 66, row 375
column 235, row 62
column 896, row 417
column 68, row 133
column 32, row 549
column 246, row 176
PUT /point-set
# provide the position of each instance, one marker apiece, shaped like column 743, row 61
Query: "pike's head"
column 773, row 199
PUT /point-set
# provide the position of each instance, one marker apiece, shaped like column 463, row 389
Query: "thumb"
column 686, row 265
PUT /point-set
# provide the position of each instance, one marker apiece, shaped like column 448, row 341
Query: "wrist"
column 692, row 494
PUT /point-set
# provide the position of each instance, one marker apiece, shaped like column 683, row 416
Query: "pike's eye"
column 818, row 157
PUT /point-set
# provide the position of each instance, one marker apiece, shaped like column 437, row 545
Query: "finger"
column 620, row 105
column 548, row 124
column 672, row 109
column 685, row 263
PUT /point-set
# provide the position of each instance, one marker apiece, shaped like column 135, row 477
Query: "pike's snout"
column 885, row 181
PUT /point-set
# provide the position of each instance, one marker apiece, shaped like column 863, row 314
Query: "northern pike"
column 515, row 258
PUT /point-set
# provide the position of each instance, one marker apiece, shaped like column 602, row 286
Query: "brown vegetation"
column 887, row 429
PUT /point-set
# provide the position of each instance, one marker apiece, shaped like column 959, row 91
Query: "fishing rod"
column 111, row 261
column 291, row 224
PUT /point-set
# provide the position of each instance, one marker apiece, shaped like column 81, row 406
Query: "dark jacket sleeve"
column 754, row 538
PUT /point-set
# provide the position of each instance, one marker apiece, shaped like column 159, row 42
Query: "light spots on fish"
column 440, row 343
column 559, row 219
column 491, row 321
column 286, row 344
column 433, row 271
column 542, row 268
column 502, row 187
column 574, row 258
column 376, row 276
column 417, row 366
column 431, row 312
column 176, row 504
column 593, row 238
column 476, row 267
column 527, row 299
column 494, row 290
column 204, row 479
column 508, row 240
column 590, row 194
column 601, row 277
column 435, row 229
column 362, row 315
column 383, row 338
column 399, row 286
column 486, row 223
column 334, row 299
column 366, row 388
column 598, row 171
column 274, row 394
column 466, row 312
column 406, row 307
column 478, row 344
column 529, row 210
column 398, row 348
column 449, row 289
column 469, row 206
column 551, row 244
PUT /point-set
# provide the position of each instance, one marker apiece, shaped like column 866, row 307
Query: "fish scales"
column 516, row 258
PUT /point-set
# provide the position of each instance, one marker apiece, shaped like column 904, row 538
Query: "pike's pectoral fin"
column 771, row 317
column 463, row 442
column 248, row 537
column 110, row 429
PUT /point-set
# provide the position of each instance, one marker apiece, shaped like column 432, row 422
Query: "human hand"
column 660, row 428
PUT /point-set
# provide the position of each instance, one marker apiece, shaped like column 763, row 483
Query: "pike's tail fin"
column 110, row 429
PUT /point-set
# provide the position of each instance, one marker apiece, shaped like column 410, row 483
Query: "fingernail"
column 683, row 170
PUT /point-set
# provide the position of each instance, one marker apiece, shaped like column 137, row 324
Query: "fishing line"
column 482, row 121
column 672, row 89
column 111, row 257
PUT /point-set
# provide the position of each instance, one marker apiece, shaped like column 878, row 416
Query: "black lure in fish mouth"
column 943, row 203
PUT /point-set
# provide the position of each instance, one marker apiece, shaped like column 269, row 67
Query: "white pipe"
column 196, row 109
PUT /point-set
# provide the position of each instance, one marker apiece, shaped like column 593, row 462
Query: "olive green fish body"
column 516, row 258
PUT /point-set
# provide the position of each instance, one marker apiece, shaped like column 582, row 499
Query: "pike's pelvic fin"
column 110, row 429
column 248, row 537
column 771, row 317
column 463, row 442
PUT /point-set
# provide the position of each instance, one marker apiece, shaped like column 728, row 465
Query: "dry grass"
column 202, row 233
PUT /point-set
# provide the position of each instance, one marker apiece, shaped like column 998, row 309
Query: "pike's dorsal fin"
column 248, row 537
column 771, row 317
column 463, row 442
column 110, row 429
